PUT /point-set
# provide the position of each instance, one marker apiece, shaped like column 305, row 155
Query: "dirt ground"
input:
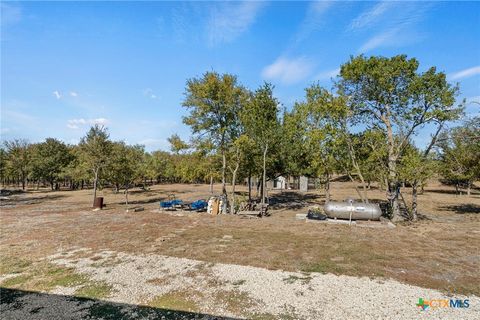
column 439, row 252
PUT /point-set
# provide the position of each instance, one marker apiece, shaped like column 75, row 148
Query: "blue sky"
column 67, row 65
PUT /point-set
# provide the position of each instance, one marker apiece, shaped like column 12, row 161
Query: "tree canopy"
column 363, row 128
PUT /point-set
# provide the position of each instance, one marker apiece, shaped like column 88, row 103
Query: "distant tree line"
column 98, row 161
column 362, row 128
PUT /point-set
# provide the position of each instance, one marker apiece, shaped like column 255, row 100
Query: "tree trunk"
column 264, row 173
column 234, row 177
column 126, row 195
column 392, row 194
column 95, row 185
column 249, row 187
column 356, row 187
column 327, row 189
column 211, row 184
column 469, row 188
column 353, row 157
column 393, row 187
column 51, row 185
column 414, row 200
column 224, row 166
column 259, row 187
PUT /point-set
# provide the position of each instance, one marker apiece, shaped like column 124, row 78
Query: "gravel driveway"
column 222, row 290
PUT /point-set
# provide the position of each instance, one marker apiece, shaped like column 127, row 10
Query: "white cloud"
column 73, row 94
column 475, row 99
column 229, row 20
column 77, row 123
column 149, row 93
column 395, row 21
column 327, row 75
column 313, row 19
column 372, row 15
column 288, row 71
column 465, row 73
column 381, row 39
column 57, row 94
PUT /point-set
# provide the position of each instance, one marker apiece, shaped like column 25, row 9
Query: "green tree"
column 460, row 153
column 177, row 145
column 372, row 154
column 18, row 159
column 214, row 102
column 322, row 115
column 124, row 165
column 156, row 166
column 329, row 145
column 295, row 156
column 415, row 168
column 95, row 149
column 262, row 125
column 205, row 149
column 3, row 165
column 391, row 95
column 239, row 154
column 76, row 171
column 50, row 159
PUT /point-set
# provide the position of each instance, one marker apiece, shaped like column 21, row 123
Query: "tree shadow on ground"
column 148, row 201
column 463, row 208
column 19, row 304
column 9, row 192
column 147, row 191
column 17, row 200
column 446, row 191
column 293, row 200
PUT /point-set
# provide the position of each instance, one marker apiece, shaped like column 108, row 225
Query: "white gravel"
column 306, row 296
column 136, row 279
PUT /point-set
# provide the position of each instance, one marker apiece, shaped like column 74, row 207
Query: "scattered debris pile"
column 254, row 209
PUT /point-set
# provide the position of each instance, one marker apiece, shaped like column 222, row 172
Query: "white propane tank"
column 357, row 210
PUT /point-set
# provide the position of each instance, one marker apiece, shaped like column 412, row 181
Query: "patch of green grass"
column 176, row 300
column 17, row 281
column 11, row 264
column 269, row 316
column 235, row 301
column 262, row 316
column 40, row 276
column 45, row 277
column 293, row 279
column 94, row 290
column 239, row 282
column 324, row 266
column 65, row 277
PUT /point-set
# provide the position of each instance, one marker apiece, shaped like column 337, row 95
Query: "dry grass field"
column 440, row 251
